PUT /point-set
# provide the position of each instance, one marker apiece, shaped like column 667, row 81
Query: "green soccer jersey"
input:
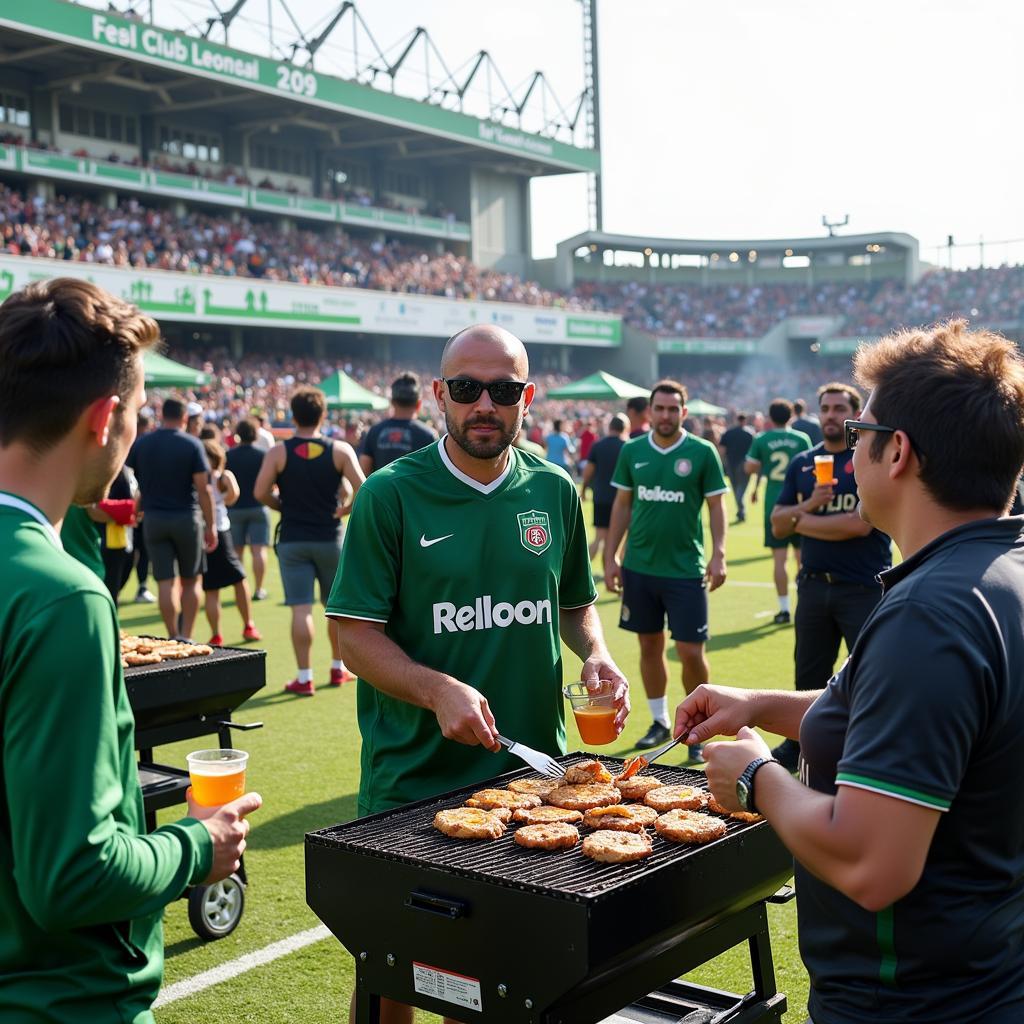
column 774, row 449
column 82, row 887
column 469, row 580
column 669, row 485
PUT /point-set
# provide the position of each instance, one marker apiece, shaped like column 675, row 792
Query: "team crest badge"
column 683, row 467
column 534, row 531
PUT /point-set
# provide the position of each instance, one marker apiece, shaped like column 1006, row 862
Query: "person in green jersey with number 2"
column 663, row 479
column 770, row 455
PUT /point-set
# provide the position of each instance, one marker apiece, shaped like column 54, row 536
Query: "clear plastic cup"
column 594, row 711
column 218, row 776
column 824, row 466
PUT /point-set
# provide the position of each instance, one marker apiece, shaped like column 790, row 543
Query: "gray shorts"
column 249, row 526
column 175, row 544
column 303, row 562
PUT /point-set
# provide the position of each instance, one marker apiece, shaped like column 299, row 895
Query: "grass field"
column 305, row 762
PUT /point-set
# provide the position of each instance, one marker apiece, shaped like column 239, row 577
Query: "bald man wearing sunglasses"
column 464, row 564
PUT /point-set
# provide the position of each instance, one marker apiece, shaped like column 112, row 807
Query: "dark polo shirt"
column 929, row 708
column 857, row 560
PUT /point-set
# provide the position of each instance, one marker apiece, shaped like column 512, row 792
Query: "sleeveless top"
column 308, row 487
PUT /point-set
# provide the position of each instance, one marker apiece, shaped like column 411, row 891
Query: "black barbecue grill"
column 480, row 930
column 185, row 699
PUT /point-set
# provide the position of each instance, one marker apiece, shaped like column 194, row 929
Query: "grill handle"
column 244, row 726
column 439, row 905
column 784, row 895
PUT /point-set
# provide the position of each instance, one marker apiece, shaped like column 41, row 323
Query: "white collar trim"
column 468, row 480
column 670, row 448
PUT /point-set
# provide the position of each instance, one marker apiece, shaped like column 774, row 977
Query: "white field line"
column 233, row 968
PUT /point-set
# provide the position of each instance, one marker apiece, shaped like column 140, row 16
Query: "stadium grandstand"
column 335, row 222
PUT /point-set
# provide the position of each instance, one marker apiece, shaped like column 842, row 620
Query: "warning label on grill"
column 452, row 988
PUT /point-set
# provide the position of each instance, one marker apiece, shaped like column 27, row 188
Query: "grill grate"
column 218, row 655
column 407, row 834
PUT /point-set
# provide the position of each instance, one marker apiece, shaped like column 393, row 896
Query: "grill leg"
column 761, row 964
column 367, row 1005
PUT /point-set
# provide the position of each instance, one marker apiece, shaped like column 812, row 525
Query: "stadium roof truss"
column 61, row 44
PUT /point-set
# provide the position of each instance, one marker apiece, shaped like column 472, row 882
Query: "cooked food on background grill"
column 673, row 798
column 587, row 772
column 714, row 805
column 469, row 823
column 617, row 847
column 582, row 798
column 621, row 817
column 538, row 787
column 545, row 815
column 490, row 798
column 556, row 835
column 689, row 827
column 147, row 650
column 638, row 786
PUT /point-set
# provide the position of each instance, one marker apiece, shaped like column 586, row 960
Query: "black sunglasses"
column 854, row 427
column 465, row 390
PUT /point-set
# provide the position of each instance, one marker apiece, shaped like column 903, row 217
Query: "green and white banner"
column 241, row 301
column 107, row 32
column 183, row 186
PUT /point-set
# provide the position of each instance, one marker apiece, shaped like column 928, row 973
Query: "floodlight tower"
column 593, row 108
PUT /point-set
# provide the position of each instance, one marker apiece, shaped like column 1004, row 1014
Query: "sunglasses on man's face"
column 465, row 390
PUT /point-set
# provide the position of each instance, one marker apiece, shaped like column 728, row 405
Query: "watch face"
column 743, row 793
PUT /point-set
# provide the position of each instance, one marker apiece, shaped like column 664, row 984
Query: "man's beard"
column 483, row 449
column 833, row 431
column 95, row 486
column 667, row 429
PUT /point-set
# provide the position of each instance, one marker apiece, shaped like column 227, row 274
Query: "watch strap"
column 749, row 772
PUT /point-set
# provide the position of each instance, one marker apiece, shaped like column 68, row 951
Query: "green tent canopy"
column 695, row 407
column 162, row 372
column 344, row 393
column 599, row 386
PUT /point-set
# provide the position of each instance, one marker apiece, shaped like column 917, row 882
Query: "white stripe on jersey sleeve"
column 358, row 618
column 711, row 494
column 574, row 607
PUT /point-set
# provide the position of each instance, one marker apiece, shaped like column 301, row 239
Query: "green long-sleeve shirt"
column 82, row 887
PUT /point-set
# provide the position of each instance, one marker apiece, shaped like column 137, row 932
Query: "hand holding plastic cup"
column 594, row 710
column 823, row 469
column 218, row 776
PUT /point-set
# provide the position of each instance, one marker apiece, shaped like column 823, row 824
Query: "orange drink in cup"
column 823, row 467
column 594, row 711
column 217, row 776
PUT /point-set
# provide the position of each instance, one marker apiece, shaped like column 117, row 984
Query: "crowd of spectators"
column 231, row 175
column 150, row 236
column 995, row 296
column 263, row 383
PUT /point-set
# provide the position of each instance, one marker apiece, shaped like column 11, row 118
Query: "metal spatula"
column 642, row 761
column 539, row 762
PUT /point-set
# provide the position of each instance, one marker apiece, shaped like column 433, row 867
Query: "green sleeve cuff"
column 196, row 841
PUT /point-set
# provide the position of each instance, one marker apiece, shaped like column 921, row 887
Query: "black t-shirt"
column 737, row 441
column 603, row 456
column 929, row 708
column 164, row 462
column 812, row 428
column 392, row 438
column 857, row 560
column 244, row 461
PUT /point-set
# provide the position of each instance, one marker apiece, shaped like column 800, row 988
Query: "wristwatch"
column 745, row 783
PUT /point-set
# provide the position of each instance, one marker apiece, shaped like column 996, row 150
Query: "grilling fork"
column 547, row 766
column 642, row 761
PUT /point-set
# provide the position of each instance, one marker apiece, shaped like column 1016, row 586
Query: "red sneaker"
column 216, row 640
column 341, row 675
column 300, row 689
column 251, row 633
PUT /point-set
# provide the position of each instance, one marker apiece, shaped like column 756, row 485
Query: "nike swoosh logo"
column 639, row 465
column 424, row 543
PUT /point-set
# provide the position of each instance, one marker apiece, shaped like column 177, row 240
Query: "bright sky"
column 752, row 119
